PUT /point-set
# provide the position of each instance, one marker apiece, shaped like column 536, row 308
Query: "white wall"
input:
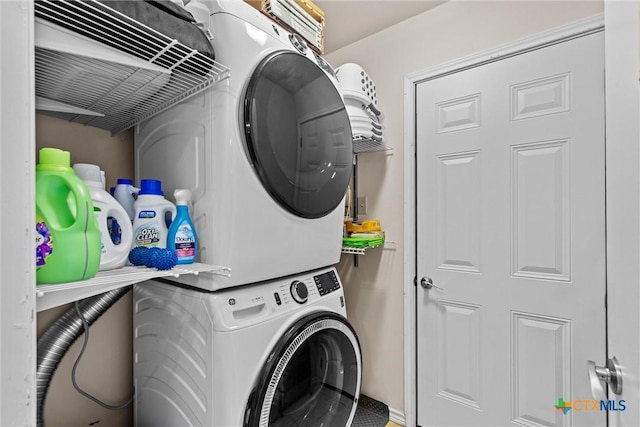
column 374, row 289
column 17, row 217
column 622, row 47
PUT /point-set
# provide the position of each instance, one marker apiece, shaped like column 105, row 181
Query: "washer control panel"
column 299, row 292
column 243, row 306
column 292, row 292
column 327, row 282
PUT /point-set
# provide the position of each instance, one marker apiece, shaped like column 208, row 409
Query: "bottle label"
column 147, row 235
column 147, row 214
column 185, row 242
column 103, row 249
column 44, row 243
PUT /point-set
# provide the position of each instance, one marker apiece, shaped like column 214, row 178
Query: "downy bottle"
column 182, row 233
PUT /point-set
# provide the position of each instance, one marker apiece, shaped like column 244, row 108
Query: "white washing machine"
column 266, row 152
column 278, row 354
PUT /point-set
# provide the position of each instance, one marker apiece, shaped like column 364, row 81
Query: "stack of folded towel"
column 365, row 235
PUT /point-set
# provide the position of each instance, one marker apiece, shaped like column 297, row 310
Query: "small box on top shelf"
column 302, row 17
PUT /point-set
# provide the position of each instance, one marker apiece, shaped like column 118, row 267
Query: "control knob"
column 299, row 292
column 298, row 42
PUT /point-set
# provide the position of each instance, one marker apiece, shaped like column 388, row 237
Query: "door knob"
column 610, row 374
column 427, row 283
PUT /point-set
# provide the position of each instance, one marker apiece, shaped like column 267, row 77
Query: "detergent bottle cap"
column 125, row 181
column 88, row 173
column 151, row 186
column 182, row 196
column 55, row 157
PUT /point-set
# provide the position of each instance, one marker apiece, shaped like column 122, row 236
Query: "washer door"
column 312, row 378
column 298, row 134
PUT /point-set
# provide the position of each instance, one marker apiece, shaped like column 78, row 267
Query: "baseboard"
column 397, row 416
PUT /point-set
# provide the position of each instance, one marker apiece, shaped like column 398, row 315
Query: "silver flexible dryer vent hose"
column 55, row 341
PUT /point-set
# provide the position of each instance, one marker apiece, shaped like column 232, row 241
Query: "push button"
column 277, row 297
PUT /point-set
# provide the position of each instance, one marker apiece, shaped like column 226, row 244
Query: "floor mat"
column 370, row 413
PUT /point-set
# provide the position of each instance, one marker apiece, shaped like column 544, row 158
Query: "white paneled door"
column 511, row 233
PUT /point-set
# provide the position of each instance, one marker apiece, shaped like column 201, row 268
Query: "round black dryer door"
column 311, row 379
column 298, row 134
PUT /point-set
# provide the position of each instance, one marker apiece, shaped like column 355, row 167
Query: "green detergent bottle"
column 67, row 232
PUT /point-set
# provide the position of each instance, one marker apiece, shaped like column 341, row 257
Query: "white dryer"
column 278, row 354
column 267, row 152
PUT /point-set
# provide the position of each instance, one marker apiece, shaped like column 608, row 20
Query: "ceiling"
column 347, row 21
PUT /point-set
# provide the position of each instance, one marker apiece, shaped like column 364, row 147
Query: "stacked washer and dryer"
column 268, row 154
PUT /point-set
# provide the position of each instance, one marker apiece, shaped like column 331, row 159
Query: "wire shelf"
column 106, row 70
column 49, row 296
column 363, row 144
column 357, row 251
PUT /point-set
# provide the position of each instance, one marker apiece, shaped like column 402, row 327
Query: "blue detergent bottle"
column 182, row 234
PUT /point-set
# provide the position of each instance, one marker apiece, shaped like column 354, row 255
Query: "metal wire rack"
column 363, row 144
column 99, row 67
column 62, row 293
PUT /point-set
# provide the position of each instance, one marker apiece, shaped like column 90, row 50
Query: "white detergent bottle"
column 153, row 215
column 113, row 255
column 125, row 193
column 182, row 234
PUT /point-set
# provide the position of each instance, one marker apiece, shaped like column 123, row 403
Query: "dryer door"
column 312, row 378
column 298, row 134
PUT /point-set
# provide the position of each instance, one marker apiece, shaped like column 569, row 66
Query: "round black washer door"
column 298, row 134
column 312, row 378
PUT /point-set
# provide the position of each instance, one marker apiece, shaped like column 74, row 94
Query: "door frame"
column 623, row 134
